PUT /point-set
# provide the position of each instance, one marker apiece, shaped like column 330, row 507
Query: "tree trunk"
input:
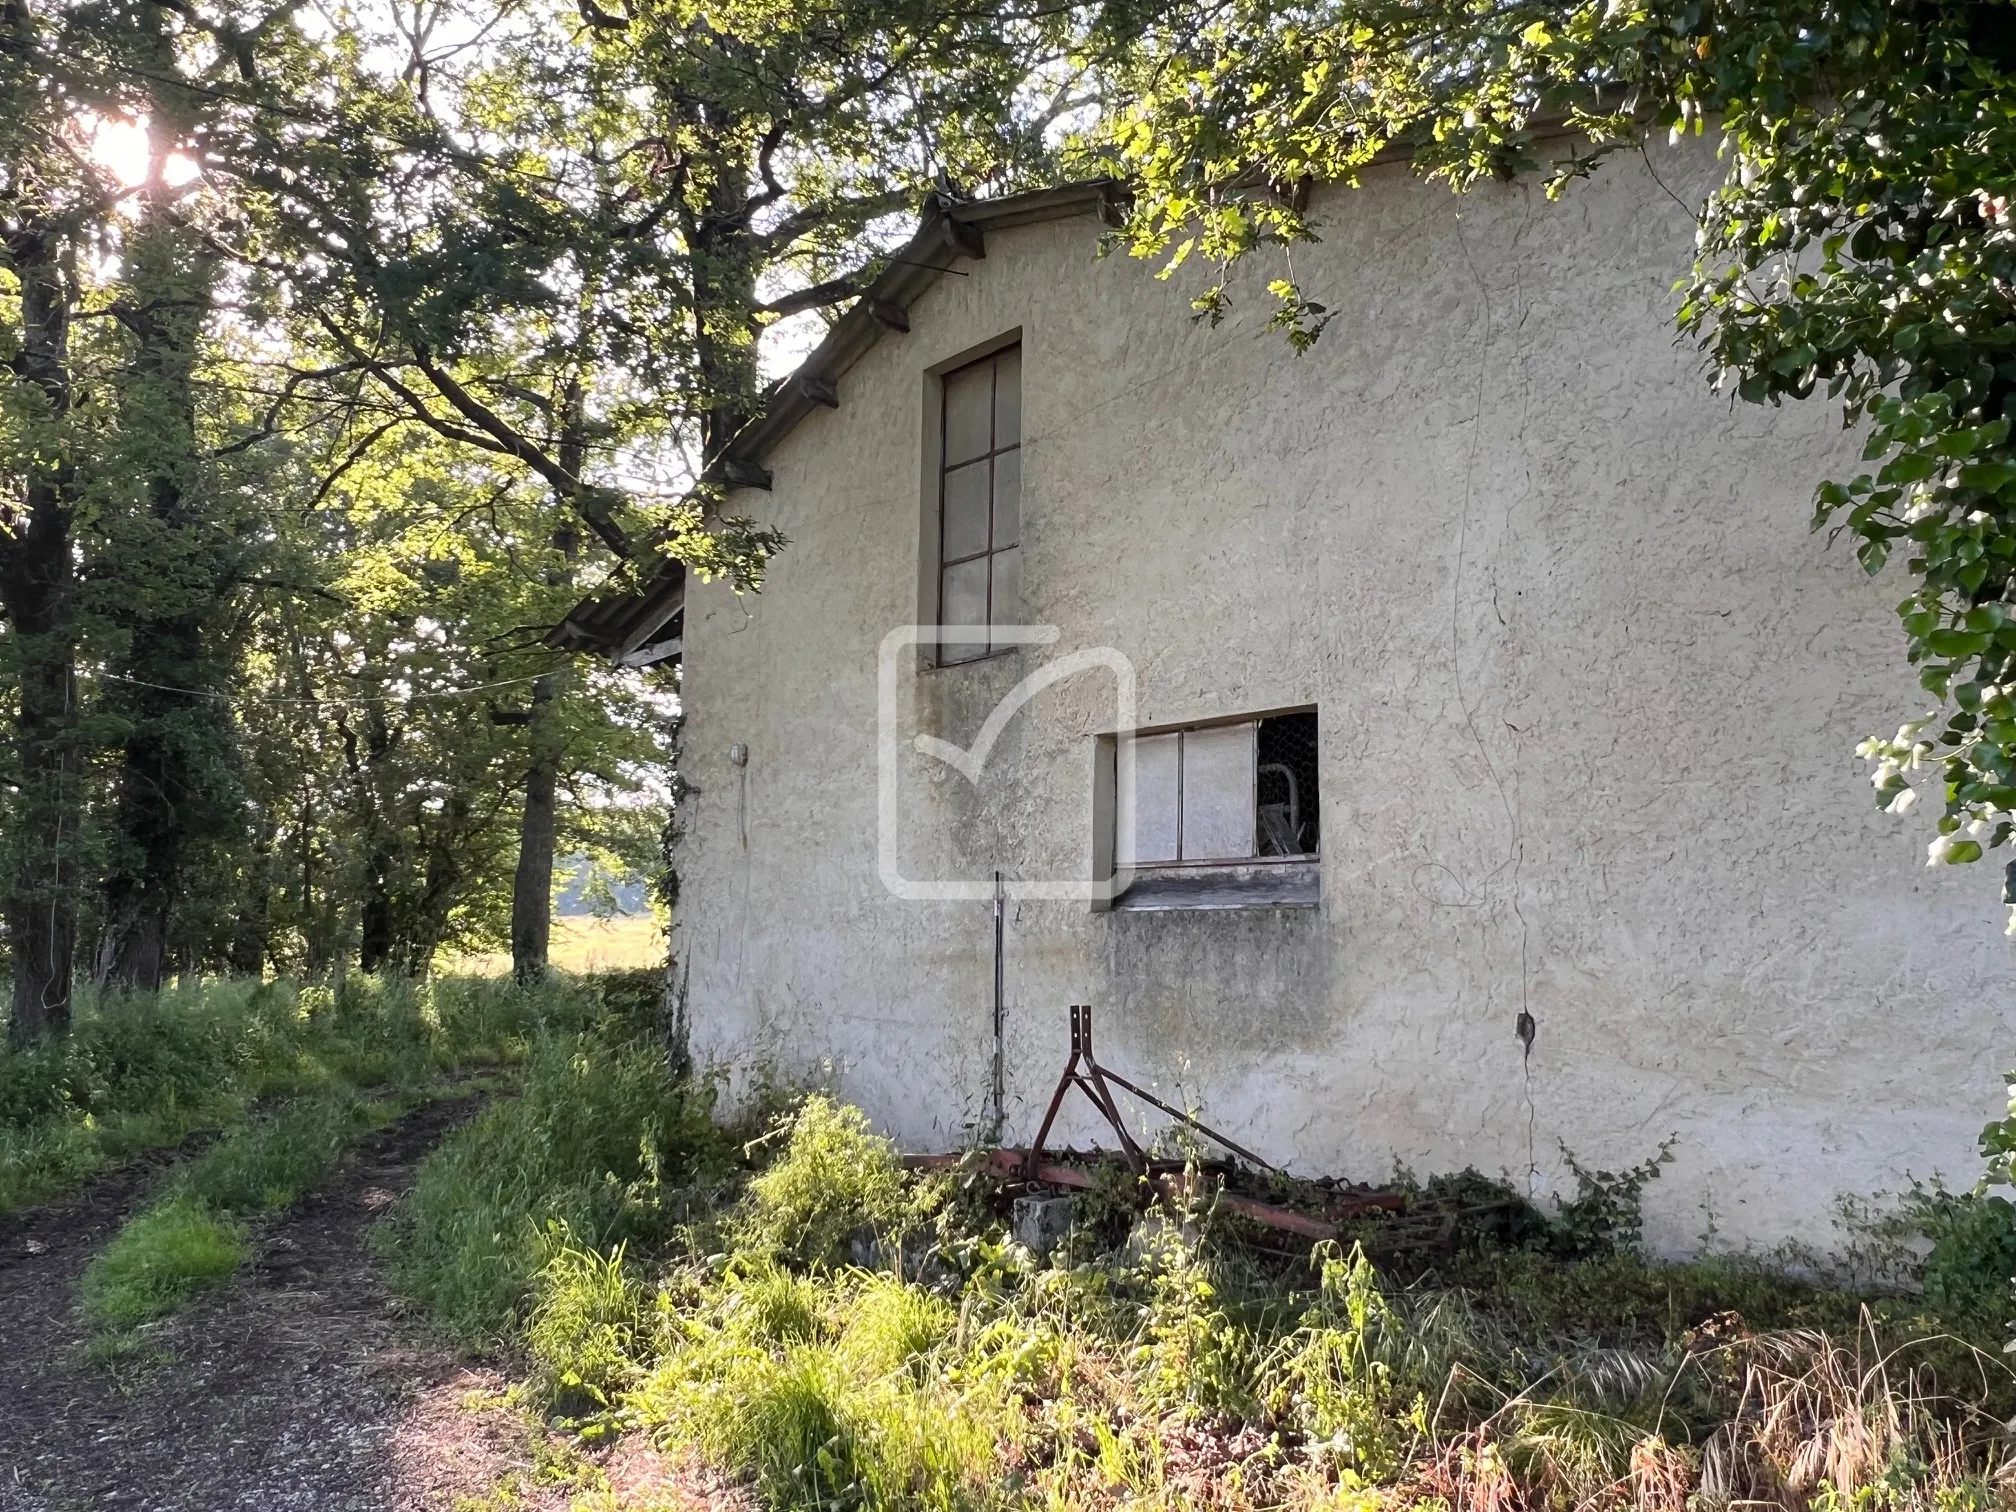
column 376, row 933
column 37, row 584
column 724, row 292
column 427, row 919
column 532, row 884
column 176, row 777
column 133, row 948
column 42, row 908
column 252, row 928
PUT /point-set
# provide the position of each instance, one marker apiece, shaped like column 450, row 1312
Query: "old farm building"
column 1483, row 664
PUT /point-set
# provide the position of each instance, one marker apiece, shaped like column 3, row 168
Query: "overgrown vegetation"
column 147, row 1071
column 191, row 1237
column 285, row 1077
column 801, row 1310
column 602, row 1149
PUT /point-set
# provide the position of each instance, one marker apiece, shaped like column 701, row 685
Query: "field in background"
column 583, row 943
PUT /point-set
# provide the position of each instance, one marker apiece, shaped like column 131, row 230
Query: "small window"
column 1220, row 793
column 1220, row 816
column 980, row 503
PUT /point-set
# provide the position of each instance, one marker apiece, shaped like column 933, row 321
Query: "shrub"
column 835, row 1178
column 1606, row 1215
column 157, row 1262
column 631, row 1004
column 1970, row 1269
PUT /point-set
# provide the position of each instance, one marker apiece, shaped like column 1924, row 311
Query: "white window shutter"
column 1146, row 800
column 1218, row 820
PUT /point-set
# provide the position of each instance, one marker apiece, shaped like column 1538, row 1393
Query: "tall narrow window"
column 980, row 503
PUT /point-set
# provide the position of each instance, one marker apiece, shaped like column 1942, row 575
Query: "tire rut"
column 286, row 1388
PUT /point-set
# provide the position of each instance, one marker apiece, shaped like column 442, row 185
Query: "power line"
column 342, row 700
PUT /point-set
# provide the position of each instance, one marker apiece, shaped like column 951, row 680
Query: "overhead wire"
column 347, row 700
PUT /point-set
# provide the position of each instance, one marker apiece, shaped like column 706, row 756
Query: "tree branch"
column 513, row 443
column 832, row 292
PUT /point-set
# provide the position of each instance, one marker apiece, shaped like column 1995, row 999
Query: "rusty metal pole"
column 1000, row 1089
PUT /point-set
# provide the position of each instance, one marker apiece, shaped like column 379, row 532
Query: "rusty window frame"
column 995, row 451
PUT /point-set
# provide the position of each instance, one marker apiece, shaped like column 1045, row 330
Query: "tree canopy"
column 344, row 350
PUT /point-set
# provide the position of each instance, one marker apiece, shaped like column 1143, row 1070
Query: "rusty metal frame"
column 1078, row 1173
column 1084, row 1072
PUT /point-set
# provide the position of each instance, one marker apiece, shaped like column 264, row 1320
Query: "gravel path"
column 295, row 1386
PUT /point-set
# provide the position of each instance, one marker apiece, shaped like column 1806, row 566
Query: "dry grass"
column 582, row 944
column 1818, row 1418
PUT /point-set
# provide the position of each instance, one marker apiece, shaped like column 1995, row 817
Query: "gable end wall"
column 1588, row 690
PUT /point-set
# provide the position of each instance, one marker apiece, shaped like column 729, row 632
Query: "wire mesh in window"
column 1288, row 802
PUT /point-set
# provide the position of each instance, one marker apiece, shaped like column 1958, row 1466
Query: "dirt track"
column 296, row 1386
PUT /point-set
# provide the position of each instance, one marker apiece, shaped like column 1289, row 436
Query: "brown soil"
column 296, row 1387
column 286, row 1389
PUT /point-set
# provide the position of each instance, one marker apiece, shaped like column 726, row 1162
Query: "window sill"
column 1296, row 884
column 995, row 655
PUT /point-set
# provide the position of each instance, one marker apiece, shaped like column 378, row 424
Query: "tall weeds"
column 285, row 1073
column 846, row 1336
column 603, row 1147
column 145, row 1071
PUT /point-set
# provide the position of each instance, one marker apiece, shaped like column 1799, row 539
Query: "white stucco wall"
column 1588, row 692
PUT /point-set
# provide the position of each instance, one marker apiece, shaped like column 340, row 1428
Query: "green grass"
column 193, row 1236
column 266, row 1165
column 1540, row 1362
column 603, row 1147
column 157, row 1262
column 303, row 1058
column 146, row 1072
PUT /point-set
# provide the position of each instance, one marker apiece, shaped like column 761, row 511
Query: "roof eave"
column 947, row 230
column 913, row 269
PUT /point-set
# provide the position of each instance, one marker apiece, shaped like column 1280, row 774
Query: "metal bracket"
column 1084, row 1072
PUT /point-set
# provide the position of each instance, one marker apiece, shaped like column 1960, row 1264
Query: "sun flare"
column 122, row 149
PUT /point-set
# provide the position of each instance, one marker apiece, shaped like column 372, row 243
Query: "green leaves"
column 1861, row 242
column 1958, row 643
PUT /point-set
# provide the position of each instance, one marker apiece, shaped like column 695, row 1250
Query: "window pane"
column 969, row 401
column 1007, row 603
column 1147, row 800
column 1291, row 806
column 965, row 511
column 964, row 602
column 1007, row 499
column 1008, row 398
column 1218, row 793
